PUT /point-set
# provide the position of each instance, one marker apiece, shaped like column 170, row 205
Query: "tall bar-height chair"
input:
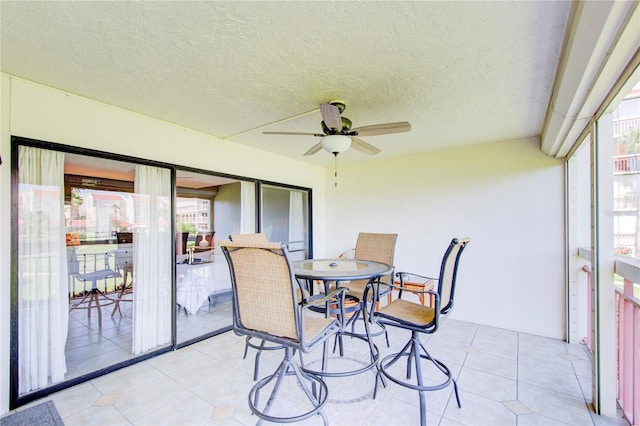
column 377, row 248
column 267, row 305
column 418, row 319
column 259, row 238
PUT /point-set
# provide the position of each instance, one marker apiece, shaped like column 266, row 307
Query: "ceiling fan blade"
column 293, row 133
column 331, row 116
column 382, row 129
column 362, row 146
column 317, row 147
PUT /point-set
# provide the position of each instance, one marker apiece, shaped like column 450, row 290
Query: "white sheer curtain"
column 247, row 207
column 296, row 224
column 152, row 259
column 43, row 298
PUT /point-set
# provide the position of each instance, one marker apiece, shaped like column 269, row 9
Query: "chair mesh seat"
column 408, row 312
column 314, row 326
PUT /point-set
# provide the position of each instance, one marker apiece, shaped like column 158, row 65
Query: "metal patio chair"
column 418, row 319
column 267, row 305
column 263, row 345
column 378, row 248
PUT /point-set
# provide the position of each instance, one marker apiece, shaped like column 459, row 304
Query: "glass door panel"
column 285, row 218
column 205, row 205
column 83, row 226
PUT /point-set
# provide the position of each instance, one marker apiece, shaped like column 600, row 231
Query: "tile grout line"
column 584, row 398
column 452, row 394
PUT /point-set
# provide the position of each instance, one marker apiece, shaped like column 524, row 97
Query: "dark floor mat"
column 41, row 414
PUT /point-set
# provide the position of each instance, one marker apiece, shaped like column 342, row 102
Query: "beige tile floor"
column 505, row 378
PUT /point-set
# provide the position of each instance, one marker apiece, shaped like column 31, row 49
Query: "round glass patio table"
column 328, row 270
column 336, row 270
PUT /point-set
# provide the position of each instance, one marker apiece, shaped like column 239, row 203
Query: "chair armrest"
column 325, row 299
column 322, row 298
column 415, row 283
column 409, row 276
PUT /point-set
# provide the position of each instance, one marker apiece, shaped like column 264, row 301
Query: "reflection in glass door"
column 207, row 207
column 285, row 218
column 93, row 280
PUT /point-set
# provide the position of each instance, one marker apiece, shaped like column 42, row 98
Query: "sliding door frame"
column 16, row 400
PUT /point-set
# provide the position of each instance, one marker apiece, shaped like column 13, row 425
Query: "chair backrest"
column 263, row 289
column 377, row 248
column 249, row 238
column 448, row 273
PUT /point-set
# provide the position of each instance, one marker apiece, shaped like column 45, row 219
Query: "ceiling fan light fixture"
column 336, row 144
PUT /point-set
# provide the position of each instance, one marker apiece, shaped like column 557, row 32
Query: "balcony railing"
column 628, row 310
column 621, row 126
column 628, row 335
column 626, row 164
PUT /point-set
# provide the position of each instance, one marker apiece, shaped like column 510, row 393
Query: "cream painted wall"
column 38, row 112
column 506, row 196
column 5, row 228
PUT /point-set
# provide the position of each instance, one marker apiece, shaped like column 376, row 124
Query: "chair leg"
column 246, row 348
column 339, row 344
column 444, row 371
column 121, row 294
column 367, row 317
column 413, row 350
column 256, row 365
column 263, row 346
column 288, row 367
column 95, row 294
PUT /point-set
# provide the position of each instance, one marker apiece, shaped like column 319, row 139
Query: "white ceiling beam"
column 600, row 40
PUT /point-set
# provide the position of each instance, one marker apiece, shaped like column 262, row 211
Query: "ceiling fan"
column 338, row 135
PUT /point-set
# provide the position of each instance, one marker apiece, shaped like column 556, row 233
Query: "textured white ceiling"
column 460, row 72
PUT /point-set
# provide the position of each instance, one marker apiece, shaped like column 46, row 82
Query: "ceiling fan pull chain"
column 335, row 167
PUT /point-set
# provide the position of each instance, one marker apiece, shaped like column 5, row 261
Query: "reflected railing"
column 628, row 332
column 82, row 264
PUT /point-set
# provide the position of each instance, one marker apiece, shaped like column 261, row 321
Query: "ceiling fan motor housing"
column 346, row 126
column 338, row 104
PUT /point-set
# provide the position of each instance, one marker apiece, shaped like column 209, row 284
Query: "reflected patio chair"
column 94, row 297
column 266, row 305
column 418, row 318
column 263, row 345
